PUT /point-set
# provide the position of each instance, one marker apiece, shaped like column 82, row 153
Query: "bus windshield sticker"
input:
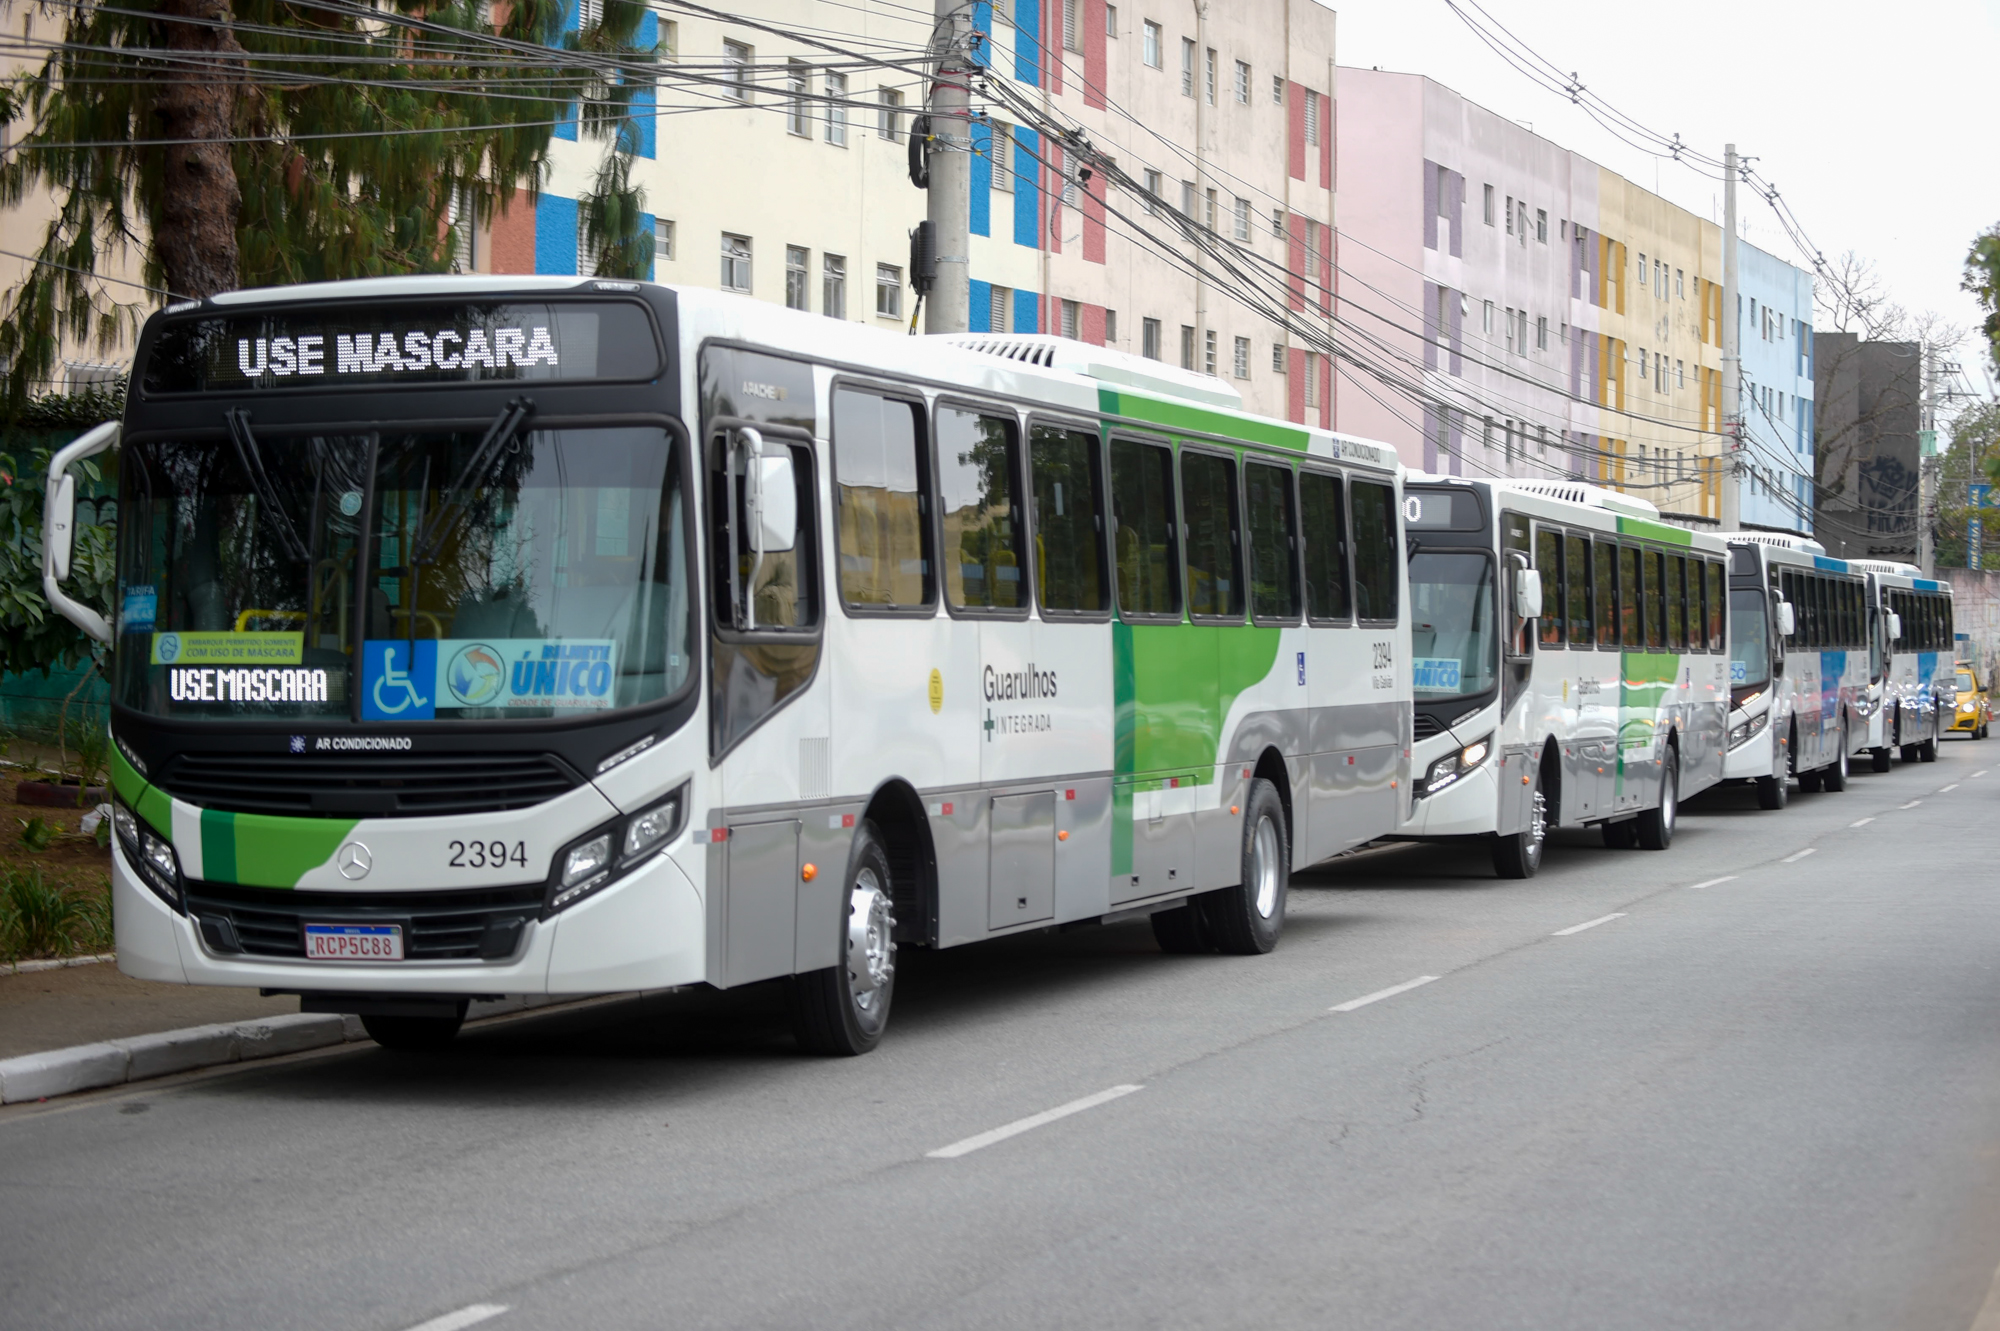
column 1436, row 674
column 138, row 609
column 409, row 681
column 188, row 649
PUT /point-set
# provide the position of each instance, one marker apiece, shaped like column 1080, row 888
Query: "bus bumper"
column 1468, row 807
column 648, row 931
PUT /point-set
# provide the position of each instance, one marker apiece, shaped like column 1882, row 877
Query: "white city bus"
column 498, row 635
column 1801, row 698
column 1918, row 653
column 1568, row 665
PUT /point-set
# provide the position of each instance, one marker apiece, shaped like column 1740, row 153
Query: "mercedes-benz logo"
column 354, row 861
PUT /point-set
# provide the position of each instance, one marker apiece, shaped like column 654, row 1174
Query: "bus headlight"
column 151, row 857
column 1745, row 731
column 585, row 860
column 609, row 852
column 1452, row 766
column 653, row 826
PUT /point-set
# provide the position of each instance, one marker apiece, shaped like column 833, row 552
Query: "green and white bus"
column 490, row 636
column 1570, row 665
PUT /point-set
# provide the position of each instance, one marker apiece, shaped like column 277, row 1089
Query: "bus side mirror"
column 770, row 500
column 1895, row 626
column 1527, row 593
column 1787, row 621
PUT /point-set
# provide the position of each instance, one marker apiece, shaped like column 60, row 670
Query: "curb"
column 89, row 1067
column 54, row 964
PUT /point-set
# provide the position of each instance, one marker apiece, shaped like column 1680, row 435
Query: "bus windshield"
column 402, row 576
column 1749, row 649
column 1454, row 649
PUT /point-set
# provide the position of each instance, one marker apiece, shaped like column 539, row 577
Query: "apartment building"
column 1869, row 423
column 1775, row 336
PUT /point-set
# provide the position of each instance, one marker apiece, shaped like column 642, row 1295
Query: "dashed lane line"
column 1588, row 924
column 1862, row 822
column 1942, row 790
column 1028, row 1124
column 1381, row 994
column 1982, row 771
column 470, row 1315
column 1712, row 882
column 1798, row 855
column 1911, row 805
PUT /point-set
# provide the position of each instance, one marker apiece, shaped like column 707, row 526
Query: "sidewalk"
column 54, row 1009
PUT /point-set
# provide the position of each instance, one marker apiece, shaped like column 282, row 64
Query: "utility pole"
column 1927, row 461
column 1732, row 358
column 950, row 163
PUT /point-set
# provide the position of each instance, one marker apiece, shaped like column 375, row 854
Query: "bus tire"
column 1834, row 778
column 842, row 1010
column 1927, row 751
column 1878, row 759
column 1519, row 854
column 1246, row 920
column 1621, row 835
column 415, row 1035
column 1773, row 792
column 1907, row 752
column 1656, row 825
column 1809, row 780
column 1180, row 932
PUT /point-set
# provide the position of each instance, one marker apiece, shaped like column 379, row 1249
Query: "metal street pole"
column 949, row 307
column 1732, row 359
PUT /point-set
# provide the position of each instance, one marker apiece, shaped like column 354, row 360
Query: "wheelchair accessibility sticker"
column 406, row 681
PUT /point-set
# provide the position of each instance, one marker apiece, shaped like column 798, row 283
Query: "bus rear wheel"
column 1656, row 825
column 1246, row 920
column 1519, row 854
column 415, row 1035
column 1878, row 759
column 843, row 1010
column 1620, row 835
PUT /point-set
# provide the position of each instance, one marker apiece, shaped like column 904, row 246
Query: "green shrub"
column 39, row 918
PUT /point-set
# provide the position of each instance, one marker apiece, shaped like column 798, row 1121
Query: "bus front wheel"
column 416, row 1035
column 1773, row 792
column 1246, row 919
column 843, row 1010
column 1656, row 825
column 1519, row 854
column 1834, row 778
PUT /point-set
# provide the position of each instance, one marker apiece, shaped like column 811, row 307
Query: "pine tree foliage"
column 332, row 138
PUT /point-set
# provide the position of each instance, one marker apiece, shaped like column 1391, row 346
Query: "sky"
column 1866, row 116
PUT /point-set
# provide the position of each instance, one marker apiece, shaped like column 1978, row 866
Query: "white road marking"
column 1713, row 882
column 1911, row 805
column 1589, row 924
column 470, row 1315
column 1381, row 994
column 1982, row 771
column 1943, row 789
column 1798, row 855
column 1862, row 822
column 1028, row 1124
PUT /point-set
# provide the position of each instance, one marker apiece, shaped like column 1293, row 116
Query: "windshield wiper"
column 269, row 506
column 452, row 511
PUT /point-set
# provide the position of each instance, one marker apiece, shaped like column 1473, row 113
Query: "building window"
column 1277, row 358
column 1149, row 338
column 1542, row 334
column 833, row 286
column 587, row 251
column 1208, row 76
column 459, row 216
column 1510, row 328
column 663, row 240
column 670, row 40
column 888, row 291
column 1243, row 219
column 1149, row 49
column 1187, row 67
column 1488, row 204
column 889, row 117
column 1312, row 250
column 1510, row 214
column 1111, row 22
column 1242, row 84
column 1542, row 225
column 1680, row 374
column 1242, row 365
column 1072, row 27
column 1154, row 183
column 1523, row 227
column 1312, row 118
column 1187, row 346
column 836, row 110
column 1208, row 353
column 1680, row 287
column 1000, row 309
column 737, row 56
column 1069, row 316
column 1312, row 379
column 1003, row 156
column 1111, row 328
column 1278, row 221
column 1644, row 373
column 1187, row 198
column 1208, row 210
column 1486, row 318
column 735, row 262
column 797, row 258
column 1277, row 90
column 795, row 98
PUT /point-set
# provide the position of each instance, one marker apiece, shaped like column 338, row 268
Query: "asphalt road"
column 1768, row 1102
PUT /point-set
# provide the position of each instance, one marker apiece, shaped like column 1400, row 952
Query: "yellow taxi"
column 1975, row 709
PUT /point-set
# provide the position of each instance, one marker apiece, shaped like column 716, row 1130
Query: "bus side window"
column 1376, row 550
column 1548, row 563
column 1324, row 511
column 1605, row 557
column 1068, row 496
column 1145, row 547
column 1214, row 554
column 1274, row 563
column 980, row 489
column 1655, row 601
column 1629, row 632
column 1576, row 578
column 1855, row 640
column 878, row 467
column 1677, row 616
column 1718, row 606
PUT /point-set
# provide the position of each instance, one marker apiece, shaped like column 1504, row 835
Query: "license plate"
column 354, row 942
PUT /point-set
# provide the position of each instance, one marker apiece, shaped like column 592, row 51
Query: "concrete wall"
column 1976, row 617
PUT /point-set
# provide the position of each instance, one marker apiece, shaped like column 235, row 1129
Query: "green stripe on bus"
column 218, row 846
column 152, row 804
column 277, row 852
column 1655, row 531
column 1181, row 416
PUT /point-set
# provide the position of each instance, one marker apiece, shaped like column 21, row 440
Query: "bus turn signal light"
column 809, row 872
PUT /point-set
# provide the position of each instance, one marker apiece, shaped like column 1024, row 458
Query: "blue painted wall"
column 979, row 317
column 981, row 191
column 1027, row 186
column 555, row 235
column 1027, row 312
column 1028, row 41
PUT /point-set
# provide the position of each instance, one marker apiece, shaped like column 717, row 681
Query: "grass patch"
column 41, row 918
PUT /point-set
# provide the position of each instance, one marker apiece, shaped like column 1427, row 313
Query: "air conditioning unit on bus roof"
column 1578, row 492
column 1885, row 566
column 1102, row 364
column 1805, row 545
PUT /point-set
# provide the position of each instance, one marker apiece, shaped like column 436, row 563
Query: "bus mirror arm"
column 59, row 529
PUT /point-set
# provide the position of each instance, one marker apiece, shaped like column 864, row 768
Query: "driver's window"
column 780, row 586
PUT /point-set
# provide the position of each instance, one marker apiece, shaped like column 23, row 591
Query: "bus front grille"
column 1426, row 726
column 405, row 785
column 438, row 926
